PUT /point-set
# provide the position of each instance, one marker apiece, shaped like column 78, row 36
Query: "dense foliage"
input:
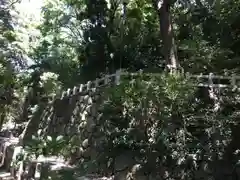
column 164, row 119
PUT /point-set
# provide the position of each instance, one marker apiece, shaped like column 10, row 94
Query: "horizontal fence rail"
column 210, row 80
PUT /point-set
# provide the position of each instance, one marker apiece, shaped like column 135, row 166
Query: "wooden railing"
column 207, row 80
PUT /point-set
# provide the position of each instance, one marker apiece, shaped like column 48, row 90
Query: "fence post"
column 63, row 94
column 233, row 82
column 54, row 97
column 75, row 90
column 106, row 79
column 96, row 82
column 89, row 83
column 118, row 77
column 68, row 92
column 81, row 88
column 210, row 80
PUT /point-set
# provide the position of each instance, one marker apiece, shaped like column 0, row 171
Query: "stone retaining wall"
column 76, row 113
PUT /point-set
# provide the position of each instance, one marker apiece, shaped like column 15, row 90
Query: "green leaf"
column 135, row 13
column 49, row 138
column 59, row 138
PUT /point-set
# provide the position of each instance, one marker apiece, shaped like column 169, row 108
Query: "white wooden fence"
column 207, row 80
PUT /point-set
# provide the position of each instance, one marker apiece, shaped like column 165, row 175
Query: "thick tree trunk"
column 166, row 32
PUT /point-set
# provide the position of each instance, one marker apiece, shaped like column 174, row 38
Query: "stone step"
column 5, row 175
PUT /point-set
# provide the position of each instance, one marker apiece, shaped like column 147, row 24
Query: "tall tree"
column 163, row 10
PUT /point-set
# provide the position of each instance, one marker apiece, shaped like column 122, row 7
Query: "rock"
column 155, row 177
column 76, row 110
column 82, row 125
column 94, row 109
column 86, row 98
column 90, row 124
column 82, row 106
column 90, row 153
column 81, row 99
column 136, row 168
column 90, row 100
column 80, row 152
column 137, row 173
column 88, row 109
column 99, row 116
column 85, row 134
column 85, row 143
column 84, row 116
column 123, row 175
column 95, row 98
column 124, row 161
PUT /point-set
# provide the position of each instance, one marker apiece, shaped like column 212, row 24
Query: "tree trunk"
column 26, row 104
column 2, row 118
column 33, row 123
column 166, row 32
